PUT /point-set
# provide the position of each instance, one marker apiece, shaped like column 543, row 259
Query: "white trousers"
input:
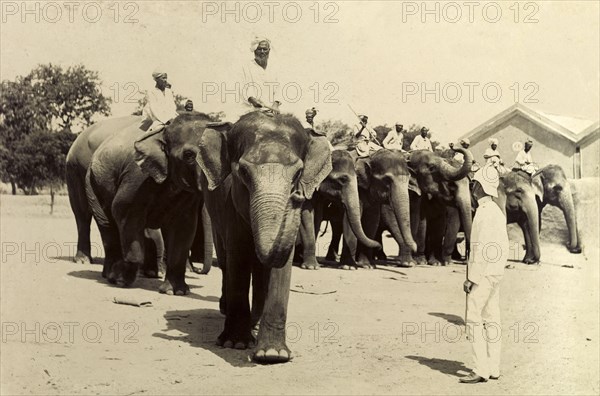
column 484, row 328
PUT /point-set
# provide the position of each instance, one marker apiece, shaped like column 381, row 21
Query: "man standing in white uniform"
column 489, row 253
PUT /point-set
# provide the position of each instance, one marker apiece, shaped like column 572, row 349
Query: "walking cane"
column 468, row 254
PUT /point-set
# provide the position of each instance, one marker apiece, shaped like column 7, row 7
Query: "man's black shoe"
column 494, row 378
column 472, row 379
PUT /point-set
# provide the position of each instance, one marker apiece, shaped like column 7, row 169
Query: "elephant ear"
column 317, row 165
column 537, row 182
column 151, row 156
column 363, row 172
column 214, row 156
column 413, row 185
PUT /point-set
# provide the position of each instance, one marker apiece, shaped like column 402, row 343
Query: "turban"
column 529, row 141
column 399, row 123
column 257, row 40
column 312, row 112
column 158, row 72
column 465, row 141
column 493, row 141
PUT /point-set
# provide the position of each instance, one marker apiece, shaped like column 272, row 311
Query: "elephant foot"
column 574, row 250
column 347, row 267
column 420, row 260
column 122, row 273
column 271, row 347
column 82, row 258
column 236, row 339
column 434, row 262
column 332, row 256
column 310, row 264
column 531, row 261
column 406, row 262
column 177, row 288
column 381, row 256
column 365, row 265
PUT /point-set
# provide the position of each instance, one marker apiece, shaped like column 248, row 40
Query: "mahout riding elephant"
column 259, row 172
column 552, row 187
column 383, row 180
column 138, row 180
column 78, row 161
column 336, row 200
column 440, row 204
column 517, row 194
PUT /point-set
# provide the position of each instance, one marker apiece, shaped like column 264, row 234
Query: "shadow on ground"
column 150, row 284
column 200, row 328
column 450, row 367
column 450, row 318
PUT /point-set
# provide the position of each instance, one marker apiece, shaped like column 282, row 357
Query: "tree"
column 42, row 159
column 336, row 131
column 47, row 100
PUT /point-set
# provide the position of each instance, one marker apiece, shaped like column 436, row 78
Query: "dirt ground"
column 385, row 331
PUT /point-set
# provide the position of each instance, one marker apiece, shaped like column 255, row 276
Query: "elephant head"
column 521, row 206
column 341, row 185
column 275, row 165
column 384, row 178
column 171, row 153
column 445, row 179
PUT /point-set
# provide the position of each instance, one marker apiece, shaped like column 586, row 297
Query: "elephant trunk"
column 275, row 220
column 463, row 203
column 352, row 204
column 533, row 228
column 566, row 203
column 400, row 204
column 208, row 240
column 452, row 173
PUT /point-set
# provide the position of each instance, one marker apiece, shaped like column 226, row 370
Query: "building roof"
column 571, row 128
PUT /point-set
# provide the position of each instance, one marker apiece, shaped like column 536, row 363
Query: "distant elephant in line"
column 439, row 206
column 259, row 173
column 517, row 195
column 383, row 180
column 552, row 187
column 338, row 194
column 78, row 161
column 138, row 180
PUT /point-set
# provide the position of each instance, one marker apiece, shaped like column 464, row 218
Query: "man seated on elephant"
column 310, row 125
column 365, row 137
column 160, row 108
column 524, row 161
column 394, row 138
column 259, row 88
column 422, row 141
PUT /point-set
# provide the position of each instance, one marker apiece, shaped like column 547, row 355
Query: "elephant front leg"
column 370, row 223
column 308, row 236
column 178, row 236
column 452, row 227
column 565, row 202
column 240, row 258
column 271, row 346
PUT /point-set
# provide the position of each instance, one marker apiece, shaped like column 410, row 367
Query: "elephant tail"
column 325, row 230
column 97, row 210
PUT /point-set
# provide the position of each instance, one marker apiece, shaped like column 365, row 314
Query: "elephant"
column 440, row 204
column 138, row 180
column 77, row 164
column 336, row 199
column 552, row 187
column 517, row 195
column 383, row 180
column 259, row 173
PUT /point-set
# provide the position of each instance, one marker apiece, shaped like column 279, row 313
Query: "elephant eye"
column 189, row 156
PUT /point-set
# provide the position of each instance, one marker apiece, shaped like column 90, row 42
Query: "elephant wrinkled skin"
column 259, row 173
column 139, row 180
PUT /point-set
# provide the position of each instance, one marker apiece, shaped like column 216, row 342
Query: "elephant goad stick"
column 132, row 302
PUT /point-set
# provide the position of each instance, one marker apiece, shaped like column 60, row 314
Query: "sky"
column 448, row 65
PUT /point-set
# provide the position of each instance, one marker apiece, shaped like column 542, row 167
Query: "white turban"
column 158, row 72
column 257, row 40
column 493, row 141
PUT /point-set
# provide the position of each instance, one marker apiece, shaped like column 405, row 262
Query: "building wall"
column 548, row 147
column 590, row 157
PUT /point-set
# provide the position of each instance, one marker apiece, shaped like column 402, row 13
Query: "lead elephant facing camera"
column 259, row 173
